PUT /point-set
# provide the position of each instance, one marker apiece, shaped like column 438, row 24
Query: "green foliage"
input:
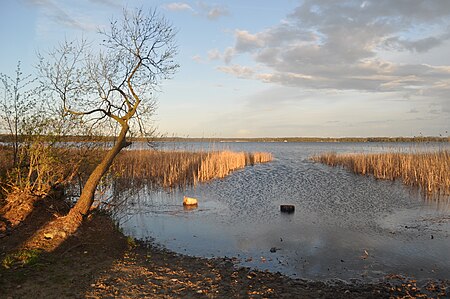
column 21, row 258
column 131, row 242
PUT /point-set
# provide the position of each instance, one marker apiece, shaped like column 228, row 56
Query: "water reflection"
column 344, row 226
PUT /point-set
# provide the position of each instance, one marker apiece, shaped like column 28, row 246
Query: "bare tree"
column 116, row 85
column 33, row 126
column 18, row 100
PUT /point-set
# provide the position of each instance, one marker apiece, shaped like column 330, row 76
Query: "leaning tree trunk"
column 86, row 199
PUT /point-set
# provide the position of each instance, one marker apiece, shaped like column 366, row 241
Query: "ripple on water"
column 338, row 216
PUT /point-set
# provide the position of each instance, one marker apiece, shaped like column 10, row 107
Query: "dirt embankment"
column 100, row 262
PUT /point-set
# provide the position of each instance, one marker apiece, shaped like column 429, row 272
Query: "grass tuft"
column 21, row 258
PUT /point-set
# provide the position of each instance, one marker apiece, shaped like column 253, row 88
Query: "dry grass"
column 428, row 170
column 6, row 160
column 135, row 167
column 178, row 168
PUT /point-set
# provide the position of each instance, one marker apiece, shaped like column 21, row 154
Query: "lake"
column 345, row 226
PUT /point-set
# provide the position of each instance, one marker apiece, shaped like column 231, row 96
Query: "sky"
column 248, row 68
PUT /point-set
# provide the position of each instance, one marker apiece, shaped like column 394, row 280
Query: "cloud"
column 226, row 56
column 217, row 12
column 197, row 58
column 238, row 71
column 211, row 12
column 59, row 15
column 115, row 3
column 246, row 42
column 214, row 54
column 325, row 44
column 178, row 6
column 420, row 45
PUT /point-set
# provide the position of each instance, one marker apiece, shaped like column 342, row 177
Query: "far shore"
column 415, row 139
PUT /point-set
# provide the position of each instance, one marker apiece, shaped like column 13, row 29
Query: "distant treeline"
column 311, row 139
column 8, row 138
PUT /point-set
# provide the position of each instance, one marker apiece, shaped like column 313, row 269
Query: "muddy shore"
column 98, row 261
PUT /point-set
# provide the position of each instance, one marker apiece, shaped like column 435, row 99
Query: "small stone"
column 48, row 236
column 287, row 209
column 273, row 249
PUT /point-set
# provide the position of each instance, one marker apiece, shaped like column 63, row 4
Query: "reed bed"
column 428, row 170
column 180, row 168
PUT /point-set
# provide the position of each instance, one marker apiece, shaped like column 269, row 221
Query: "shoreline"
column 99, row 261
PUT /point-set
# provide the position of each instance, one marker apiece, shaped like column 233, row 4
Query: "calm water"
column 339, row 217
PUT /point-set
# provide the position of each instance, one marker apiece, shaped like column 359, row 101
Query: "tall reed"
column 181, row 168
column 428, row 170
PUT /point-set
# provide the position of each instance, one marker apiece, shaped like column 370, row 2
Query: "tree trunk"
column 86, row 199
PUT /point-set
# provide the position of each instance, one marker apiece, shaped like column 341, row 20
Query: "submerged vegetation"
column 181, row 168
column 428, row 170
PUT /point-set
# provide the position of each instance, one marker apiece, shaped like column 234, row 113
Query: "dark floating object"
column 287, row 208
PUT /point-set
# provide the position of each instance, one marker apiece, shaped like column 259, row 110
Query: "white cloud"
column 336, row 45
column 238, row 71
column 246, row 42
column 57, row 14
column 116, row 3
column 203, row 9
column 178, row 6
column 212, row 12
column 197, row 58
column 216, row 12
column 226, row 56
column 214, row 54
